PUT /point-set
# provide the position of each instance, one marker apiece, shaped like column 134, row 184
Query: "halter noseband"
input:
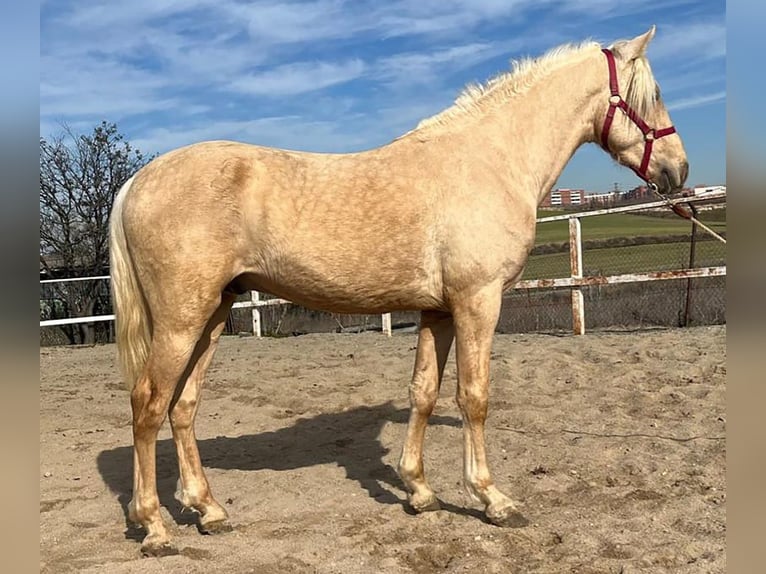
column 616, row 101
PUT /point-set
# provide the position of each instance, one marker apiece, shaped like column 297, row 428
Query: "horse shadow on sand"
column 349, row 439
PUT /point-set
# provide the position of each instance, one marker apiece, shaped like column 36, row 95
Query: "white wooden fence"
column 575, row 281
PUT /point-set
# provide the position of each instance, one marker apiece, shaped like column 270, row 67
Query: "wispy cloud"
column 298, row 78
column 425, row 66
column 76, row 87
column 274, row 23
column 610, row 9
column 281, row 131
column 692, row 41
column 690, row 79
column 696, row 101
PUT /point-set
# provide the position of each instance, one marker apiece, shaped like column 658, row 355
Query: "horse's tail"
column 133, row 322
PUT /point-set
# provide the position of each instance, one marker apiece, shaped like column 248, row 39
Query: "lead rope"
column 678, row 210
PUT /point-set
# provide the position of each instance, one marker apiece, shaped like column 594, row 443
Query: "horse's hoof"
column 425, row 504
column 507, row 517
column 215, row 527
column 157, row 550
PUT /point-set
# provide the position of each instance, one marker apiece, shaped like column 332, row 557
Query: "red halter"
column 616, row 101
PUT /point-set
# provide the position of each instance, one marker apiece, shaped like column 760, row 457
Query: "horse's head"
column 633, row 124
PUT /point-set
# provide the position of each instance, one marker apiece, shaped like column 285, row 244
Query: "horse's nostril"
column 684, row 173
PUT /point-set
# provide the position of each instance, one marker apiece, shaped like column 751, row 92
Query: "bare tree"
column 80, row 176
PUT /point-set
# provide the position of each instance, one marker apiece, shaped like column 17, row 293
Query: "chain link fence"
column 641, row 241
column 289, row 320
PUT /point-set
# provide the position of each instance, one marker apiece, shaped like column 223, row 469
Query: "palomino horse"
column 449, row 220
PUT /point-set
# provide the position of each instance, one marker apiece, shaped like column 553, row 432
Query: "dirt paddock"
column 612, row 443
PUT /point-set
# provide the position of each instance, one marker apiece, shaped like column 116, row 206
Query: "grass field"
column 633, row 259
column 619, row 225
column 630, row 259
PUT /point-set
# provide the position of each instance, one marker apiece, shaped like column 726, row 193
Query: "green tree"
column 80, row 176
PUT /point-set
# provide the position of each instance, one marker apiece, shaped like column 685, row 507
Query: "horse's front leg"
column 434, row 342
column 475, row 317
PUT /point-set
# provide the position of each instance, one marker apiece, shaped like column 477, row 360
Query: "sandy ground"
column 611, row 442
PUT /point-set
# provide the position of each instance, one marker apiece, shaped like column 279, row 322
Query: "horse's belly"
column 344, row 290
column 362, row 299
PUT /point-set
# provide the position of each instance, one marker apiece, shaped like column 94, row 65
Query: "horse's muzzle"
column 671, row 180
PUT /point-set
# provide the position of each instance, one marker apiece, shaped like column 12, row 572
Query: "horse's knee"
column 182, row 413
column 424, row 405
column 424, row 391
column 472, row 402
column 148, row 408
column 140, row 394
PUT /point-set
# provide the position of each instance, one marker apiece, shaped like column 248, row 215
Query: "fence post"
column 385, row 321
column 692, row 249
column 575, row 262
column 255, row 296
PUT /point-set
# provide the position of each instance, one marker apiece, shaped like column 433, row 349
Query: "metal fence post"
column 575, row 261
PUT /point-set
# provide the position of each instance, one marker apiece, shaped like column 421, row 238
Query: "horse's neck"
column 538, row 131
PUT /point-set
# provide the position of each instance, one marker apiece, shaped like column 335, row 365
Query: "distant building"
column 708, row 189
column 601, row 199
column 564, row 197
column 640, row 192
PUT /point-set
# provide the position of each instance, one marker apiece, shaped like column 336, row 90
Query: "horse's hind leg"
column 195, row 489
column 434, row 341
column 172, row 347
column 475, row 320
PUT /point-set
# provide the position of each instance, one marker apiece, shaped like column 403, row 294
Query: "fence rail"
column 73, row 279
column 575, row 281
column 718, row 195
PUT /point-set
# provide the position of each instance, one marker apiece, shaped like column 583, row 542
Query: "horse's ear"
column 635, row 48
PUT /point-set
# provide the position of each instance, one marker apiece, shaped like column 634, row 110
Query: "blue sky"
column 343, row 75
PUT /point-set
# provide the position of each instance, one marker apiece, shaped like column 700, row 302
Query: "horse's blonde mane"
column 640, row 92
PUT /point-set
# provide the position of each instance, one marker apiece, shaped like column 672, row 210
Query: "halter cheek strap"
column 616, row 101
